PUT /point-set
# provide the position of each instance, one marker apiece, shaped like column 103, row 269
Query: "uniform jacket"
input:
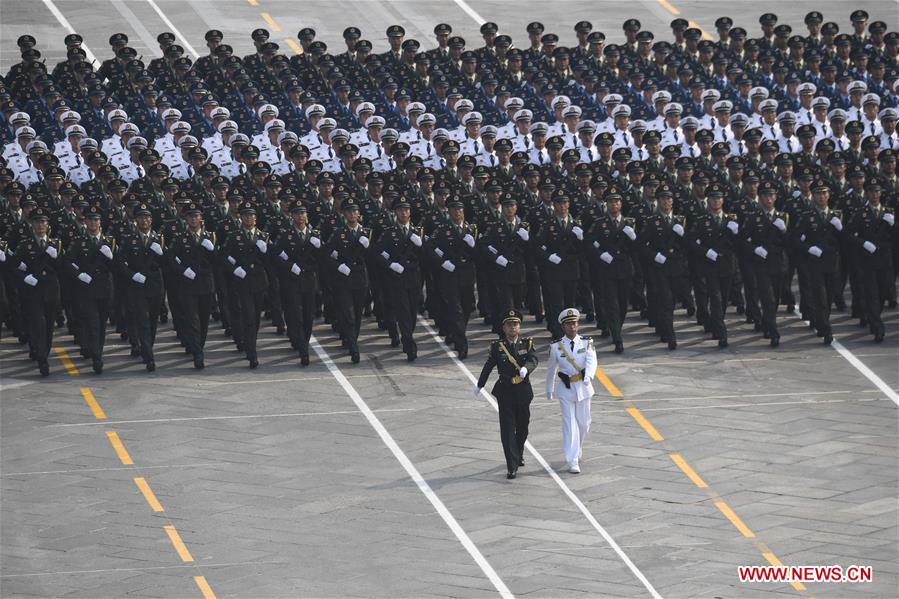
column 508, row 358
column 584, row 357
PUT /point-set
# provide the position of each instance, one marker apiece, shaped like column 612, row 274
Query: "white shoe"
column 574, row 468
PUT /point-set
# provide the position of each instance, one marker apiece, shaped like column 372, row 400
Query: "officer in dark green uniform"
column 515, row 359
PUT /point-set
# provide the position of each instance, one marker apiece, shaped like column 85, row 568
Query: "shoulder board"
column 731, row 216
column 575, row 221
column 494, row 344
column 316, row 232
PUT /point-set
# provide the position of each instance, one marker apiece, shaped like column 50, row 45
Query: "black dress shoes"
column 151, row 366
column 304, row 360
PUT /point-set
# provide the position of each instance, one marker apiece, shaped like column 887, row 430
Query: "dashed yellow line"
column 204, row 587
column 252, row 2
column 148, row 494
column 119, row 448
column 178, row 544
column 66, row 362
column 667, row 6
column 603, row 378
column 734, row 519
column 647, row 426
column 686, row 469
column 271, row 22
column 92, row 403
column 298, row 49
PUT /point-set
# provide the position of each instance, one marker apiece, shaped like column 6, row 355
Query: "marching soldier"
column 764, row 233
column 556, row 247
column 297, row 255
column 399, row 253
column 506, row 245
column 140, row 262
column 452, row 249
column 572, row 360
column 713, row 239
column 90, row 260
column 515, row 359
column 818, row 237
column 612, row 240
column 347, row 249
column 872, row 232
column 38, row 258
column 193, row 263
column 244, row 252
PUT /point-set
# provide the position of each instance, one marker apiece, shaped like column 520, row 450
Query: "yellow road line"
column 179, row 545
column 297, row 49
column 64, row 358
column 705, row 34
column 253, row 2
column 642, row 421
column 772, row 559
column 148, row 494
column 119, row 448
column 734, row 519
column 271, row 22
column 691, row 474
column 204, row 587
column 667, row 6
column 92, row 403
column 603, row 378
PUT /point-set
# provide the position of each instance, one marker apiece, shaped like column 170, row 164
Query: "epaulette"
column 530, row 344
column 525, row 225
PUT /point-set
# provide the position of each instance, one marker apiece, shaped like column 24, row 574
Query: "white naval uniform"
column 574, row 402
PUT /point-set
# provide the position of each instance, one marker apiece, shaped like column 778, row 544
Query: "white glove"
column 178, row 260
column 761, row 252
column 104, row 249
column 712, row 255
column 206, row 243
column 51, row 251
column 31, row 280
column 283, row 255
column 23, row 268
column 870, row 247
column 578, row 232
column 629, row 231
column 836, row 223
column 385, row 255
column 334, row 254
column 501, row 260
column 190, row 274
column 415, row 239
column 554, row 258
column 439, row 252
column 397, row 268
column 677, row 228
column 523, row 372
column 660, row 258
column 138, row 278
column 523, row 233
column 596, row 244
column 316, row 242
column 734, row 227
column 295, row 269
column 232, row 260
column 780, row 224
column 261, row 245
column 85, row 278
column 2, row 256
column 344, row 270
column 469, row 240
column 477, row 391
column 493, row 250
column 364, row 241
column 815, row 251
column 239, row 272
column 891, row 220
column 157, row 249
column 448, row 266
column 606, row 257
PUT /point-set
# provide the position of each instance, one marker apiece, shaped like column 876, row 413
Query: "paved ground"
column 281, row 482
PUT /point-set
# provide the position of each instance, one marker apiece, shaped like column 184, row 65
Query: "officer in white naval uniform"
column 569, row 377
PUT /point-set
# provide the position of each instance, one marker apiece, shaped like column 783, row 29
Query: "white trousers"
column 575, row 424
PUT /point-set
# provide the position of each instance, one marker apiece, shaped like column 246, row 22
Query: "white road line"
column 413, row 472
column 860, row 366
column 174, row 29
column 68, row 27
column 552, row 473
column 470, row 12
column 736, row 396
